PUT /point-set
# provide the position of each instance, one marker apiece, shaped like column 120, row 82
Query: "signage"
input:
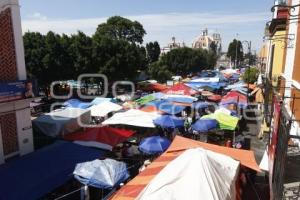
column 10, row 91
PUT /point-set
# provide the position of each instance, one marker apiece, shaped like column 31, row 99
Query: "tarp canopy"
column 102, row 109
column 181, row 89
column 76, row 103
column 166, row 106
column 213, row 85
column 234, row 97
column 226, row 122
column 178, row 146
column 104, row 174
column 195, row 174
column 168, row 121
column 145, row 99
column 180, row 98
column 62, row 121
column 34, row 175
column 101, row 137
column 154, row 145
column 133, row 117
column 99, row 100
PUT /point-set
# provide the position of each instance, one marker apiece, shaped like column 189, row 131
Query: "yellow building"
column 277, row 48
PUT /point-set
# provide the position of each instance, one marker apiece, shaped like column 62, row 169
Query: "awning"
column 195, row 174
column 180, row 144
column 133, row 117
column 62, row 121
column 76, row 103
column 102, row 137
column 166, row 106
column 34, row 175
column 181, row 89
column 102, row 109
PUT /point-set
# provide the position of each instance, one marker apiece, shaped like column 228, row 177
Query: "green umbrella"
column 226, row 122
column 145, row 99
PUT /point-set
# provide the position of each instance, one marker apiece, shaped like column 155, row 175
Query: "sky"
column 162, row 19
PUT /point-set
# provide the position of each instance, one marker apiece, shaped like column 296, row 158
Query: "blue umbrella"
column 154, row 144
column 168, row 121
column 104, row 174
column 204, row 125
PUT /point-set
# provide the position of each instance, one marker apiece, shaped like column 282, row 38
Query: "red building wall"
column 8, row 72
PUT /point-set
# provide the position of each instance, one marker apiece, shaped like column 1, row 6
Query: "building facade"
column 15, row 120
column 205, row 40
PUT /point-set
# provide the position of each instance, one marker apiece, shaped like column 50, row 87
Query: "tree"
column 251, row 75
column 181, row 61
column 120, row 28
column 235, row 51
column 34, row 45
column 153, row 51
column 81, row 50
column 160, row 73
column 213, row 48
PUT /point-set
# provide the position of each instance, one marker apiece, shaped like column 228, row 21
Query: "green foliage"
column 160, row 72
column 251, row 75
column 235, row 51
column 113, row 50
column 153, row 51
column 182, row 61
column 120, row 28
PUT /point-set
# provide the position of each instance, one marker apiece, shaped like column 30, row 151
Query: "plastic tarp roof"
column 62, row 121
column 195, row 174
column 214, row 85
column 226, row 122
column 234, row 97
column 99, row 100
column 181, row 89
column 133, row 117
column 166, row 106
column 102, row 109
column 36, row 174
column 132, row 189
column 180, row 98
column 206, row 80
column 103, row 174
column 76, row 103
column 102, row 137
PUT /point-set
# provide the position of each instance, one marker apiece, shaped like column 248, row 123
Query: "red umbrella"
column 103, row 137
column 181, row 89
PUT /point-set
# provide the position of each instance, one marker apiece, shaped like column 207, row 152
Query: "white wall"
column 24, row 131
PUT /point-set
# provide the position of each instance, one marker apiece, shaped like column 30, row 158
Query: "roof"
column 35, row 175
column 133, row 188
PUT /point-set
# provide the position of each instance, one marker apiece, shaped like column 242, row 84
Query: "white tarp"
column 207, row 80
column 196, row 174
column 102, row 109
column 133, row 117
column 62, row 121
column 264, row 163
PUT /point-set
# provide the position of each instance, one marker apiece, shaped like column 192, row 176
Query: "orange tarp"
column 133, row 188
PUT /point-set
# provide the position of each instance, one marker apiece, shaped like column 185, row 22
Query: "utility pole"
column 236, row 50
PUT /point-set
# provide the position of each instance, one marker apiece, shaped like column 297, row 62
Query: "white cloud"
column 37, row 16
column 160, row 27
